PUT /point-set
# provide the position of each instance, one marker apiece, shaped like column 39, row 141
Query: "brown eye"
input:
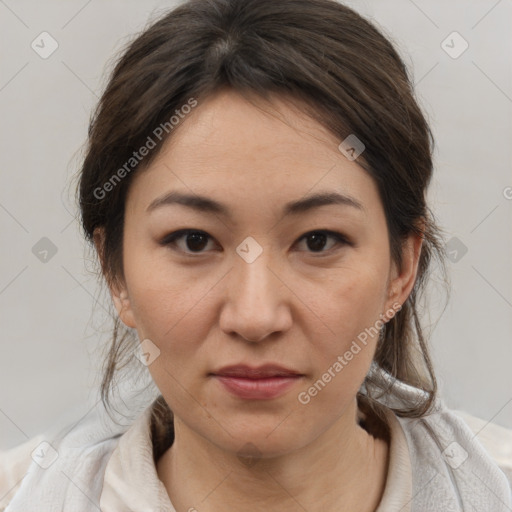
column 191, row 241
column 316, row 241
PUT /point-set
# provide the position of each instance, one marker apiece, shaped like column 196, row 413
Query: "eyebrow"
column 205, row 204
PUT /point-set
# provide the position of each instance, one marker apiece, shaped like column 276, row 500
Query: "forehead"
column 251, row 149
column 226, row 127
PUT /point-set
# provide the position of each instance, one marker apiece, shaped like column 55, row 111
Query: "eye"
column 316, row 240
column 194, row 240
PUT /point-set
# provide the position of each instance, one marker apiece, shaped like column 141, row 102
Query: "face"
column 258, row 273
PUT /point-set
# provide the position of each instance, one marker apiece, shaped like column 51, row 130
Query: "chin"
column 257, row 437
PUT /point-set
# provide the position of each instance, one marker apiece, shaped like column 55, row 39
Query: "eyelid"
column 341, row 241
column 340, row 238
column 171, row 239
column 334, row 234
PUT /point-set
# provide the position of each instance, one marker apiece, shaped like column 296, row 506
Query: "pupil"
column 194, row 241
column 197, row 241
column 318, row 242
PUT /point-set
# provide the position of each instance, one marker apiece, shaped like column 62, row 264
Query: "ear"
column 402, row 280
column 118, row 290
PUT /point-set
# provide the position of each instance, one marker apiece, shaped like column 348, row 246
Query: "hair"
column 337, row 67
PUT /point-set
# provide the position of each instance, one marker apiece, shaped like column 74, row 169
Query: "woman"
column 254, row 185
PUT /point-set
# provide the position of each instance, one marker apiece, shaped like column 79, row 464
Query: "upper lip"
column 259, row 372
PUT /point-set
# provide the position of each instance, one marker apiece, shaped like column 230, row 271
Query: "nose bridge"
column 255, row 304
column 252, row 267
column 255, row 280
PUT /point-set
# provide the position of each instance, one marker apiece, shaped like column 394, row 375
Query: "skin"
column 295, row 305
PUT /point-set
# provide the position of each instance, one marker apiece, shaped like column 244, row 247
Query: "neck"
column 343, row 469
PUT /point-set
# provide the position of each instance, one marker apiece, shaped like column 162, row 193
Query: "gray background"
column 50, row 364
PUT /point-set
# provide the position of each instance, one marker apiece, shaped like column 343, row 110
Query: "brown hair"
column 341, row 71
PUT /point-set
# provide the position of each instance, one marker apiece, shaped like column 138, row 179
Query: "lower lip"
column 257, row 389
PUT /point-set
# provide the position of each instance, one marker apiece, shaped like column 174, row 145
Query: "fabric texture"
column 437, row 464
column 131, row 483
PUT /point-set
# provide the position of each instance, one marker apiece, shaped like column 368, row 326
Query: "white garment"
column 436, row 464
column 131, row 483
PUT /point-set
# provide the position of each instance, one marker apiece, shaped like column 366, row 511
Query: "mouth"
column 257, row 383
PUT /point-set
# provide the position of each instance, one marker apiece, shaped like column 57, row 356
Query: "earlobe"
column 401, row 286
column 123, row 307
column 118, row 293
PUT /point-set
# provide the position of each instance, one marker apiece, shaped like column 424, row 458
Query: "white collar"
column 131, row 481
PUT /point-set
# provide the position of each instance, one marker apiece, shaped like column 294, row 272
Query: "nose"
column 257, row 301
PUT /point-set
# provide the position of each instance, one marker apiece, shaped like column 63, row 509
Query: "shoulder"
column 496, row 440
column 80, row 448
column 14, row 464
column 453, row 462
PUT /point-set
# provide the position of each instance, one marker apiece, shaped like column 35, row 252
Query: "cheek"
column 351, row 302
column 175, row 314
column 167, row 302
column 172, row 313
column 350, row 305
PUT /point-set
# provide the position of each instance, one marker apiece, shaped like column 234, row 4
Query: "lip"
column 256, row 372
column 257, row 383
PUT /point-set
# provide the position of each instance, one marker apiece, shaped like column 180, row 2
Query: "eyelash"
column 171, row 239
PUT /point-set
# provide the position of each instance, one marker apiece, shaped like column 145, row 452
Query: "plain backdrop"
column 50, row 333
